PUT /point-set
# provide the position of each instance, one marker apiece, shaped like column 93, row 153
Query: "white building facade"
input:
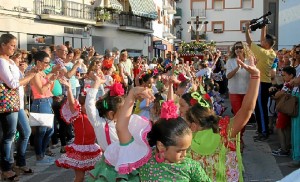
column 225, row 20
column 289, row 23
column 105, row 24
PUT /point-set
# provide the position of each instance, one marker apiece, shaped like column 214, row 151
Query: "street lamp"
column 198, row 27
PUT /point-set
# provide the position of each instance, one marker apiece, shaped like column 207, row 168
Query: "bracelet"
column 254, row 77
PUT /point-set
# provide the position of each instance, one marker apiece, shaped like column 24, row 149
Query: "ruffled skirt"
column 80, row 157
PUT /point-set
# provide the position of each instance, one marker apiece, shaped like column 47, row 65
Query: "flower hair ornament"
column 197, row 98
column 83, row 93
column 116, row 89
column 168, row 110
column 107, row 64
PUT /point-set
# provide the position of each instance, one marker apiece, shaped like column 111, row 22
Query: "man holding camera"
column 265, row 56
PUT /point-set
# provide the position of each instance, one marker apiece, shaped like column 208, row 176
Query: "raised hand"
column 251, row 68
column 65, row 82
column 143, row 93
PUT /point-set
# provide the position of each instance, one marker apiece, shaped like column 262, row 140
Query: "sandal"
column 14, row 177
column 23, row 170
column 50, row 153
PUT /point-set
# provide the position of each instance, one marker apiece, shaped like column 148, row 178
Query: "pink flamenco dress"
column 84, row 152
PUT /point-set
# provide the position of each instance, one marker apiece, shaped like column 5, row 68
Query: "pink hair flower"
column 116, row 89
column 168, row 110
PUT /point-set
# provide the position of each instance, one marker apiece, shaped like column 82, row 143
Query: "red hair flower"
column 107, row 64
column 193, row 102
column 116, row 90
column 168, row 110
column 181, row 77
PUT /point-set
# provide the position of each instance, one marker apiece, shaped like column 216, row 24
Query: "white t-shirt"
column 238, row 84
column 204, row 72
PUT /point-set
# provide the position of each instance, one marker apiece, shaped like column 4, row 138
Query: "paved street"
column 260, row 165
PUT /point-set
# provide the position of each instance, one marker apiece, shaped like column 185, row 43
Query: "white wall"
column 289, row 24
column 231, row 16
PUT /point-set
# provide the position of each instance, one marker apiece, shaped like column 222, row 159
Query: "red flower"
column 107, row 64
column 206, row 96
column 193, row 102
column 168, row 110
column 181, row 77
column 116, row 90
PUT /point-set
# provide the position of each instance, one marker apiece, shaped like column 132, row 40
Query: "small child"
column 102, row 114
column 161, row 158
column 218, row 101
column 83, row 154
column 283, row 123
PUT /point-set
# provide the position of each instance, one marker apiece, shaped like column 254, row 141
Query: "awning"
column 145, row 8
column 116, row 5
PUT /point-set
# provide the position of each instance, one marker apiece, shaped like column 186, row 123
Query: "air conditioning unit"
column 218, row 31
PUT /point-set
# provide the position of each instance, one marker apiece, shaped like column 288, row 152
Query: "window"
column 198, row 8
column 218, row 5
column 247, row 4
column 243, row 26
column 218, row 26
column 159, row 16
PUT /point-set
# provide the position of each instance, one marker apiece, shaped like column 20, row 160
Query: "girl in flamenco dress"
column 83, row 154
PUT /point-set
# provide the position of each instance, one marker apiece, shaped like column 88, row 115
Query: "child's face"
column 286, row 77
column 175, row 154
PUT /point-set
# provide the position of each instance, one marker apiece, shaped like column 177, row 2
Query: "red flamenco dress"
column 84, row 152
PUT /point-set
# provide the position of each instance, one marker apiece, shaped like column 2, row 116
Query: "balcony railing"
column 135, row 21
column 198, row 12
column 65, row 8
column 178, row 12
column 107, row 15
column 178, row 34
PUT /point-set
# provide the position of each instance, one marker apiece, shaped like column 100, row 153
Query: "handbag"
column 130, row 82
column 41, row 119
column 9, row 99
column 288, row 104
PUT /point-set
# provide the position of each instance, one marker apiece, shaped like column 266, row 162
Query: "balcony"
column 178, row 14
column 65, row 11
column 198, row 12
column 133, row 23
column 178, row 36
column 107, row 17
column 170, row 6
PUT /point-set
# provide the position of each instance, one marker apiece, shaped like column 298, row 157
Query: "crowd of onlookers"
column 63, row 80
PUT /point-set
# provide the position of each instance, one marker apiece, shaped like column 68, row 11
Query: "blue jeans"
column 43, row 133
column 8, row 123
column 25, row 131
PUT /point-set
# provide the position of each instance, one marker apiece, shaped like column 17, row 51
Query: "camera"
column 260, row 22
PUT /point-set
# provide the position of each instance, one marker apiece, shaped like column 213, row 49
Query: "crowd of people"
column 121, row 118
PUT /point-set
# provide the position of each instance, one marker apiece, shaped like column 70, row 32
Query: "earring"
column 159, row 157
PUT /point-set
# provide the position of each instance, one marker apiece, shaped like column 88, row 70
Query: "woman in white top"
column 10, row 76
column 238, row 78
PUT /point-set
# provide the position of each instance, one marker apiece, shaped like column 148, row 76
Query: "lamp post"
column 197, row 23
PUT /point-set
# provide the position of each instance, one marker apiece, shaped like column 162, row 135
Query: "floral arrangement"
column 168, row 110
column 116, row 89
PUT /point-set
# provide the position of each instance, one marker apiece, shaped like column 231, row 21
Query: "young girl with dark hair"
column 103, row 113
column 221, row 157
column 133, row 159
column 83, row 154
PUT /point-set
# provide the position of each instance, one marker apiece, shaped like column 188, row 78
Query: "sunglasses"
column 238, row 47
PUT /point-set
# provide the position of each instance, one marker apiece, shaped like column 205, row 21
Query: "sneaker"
column 277, row 150
column 44, row 162
column 70, row 141
column 280, row 153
